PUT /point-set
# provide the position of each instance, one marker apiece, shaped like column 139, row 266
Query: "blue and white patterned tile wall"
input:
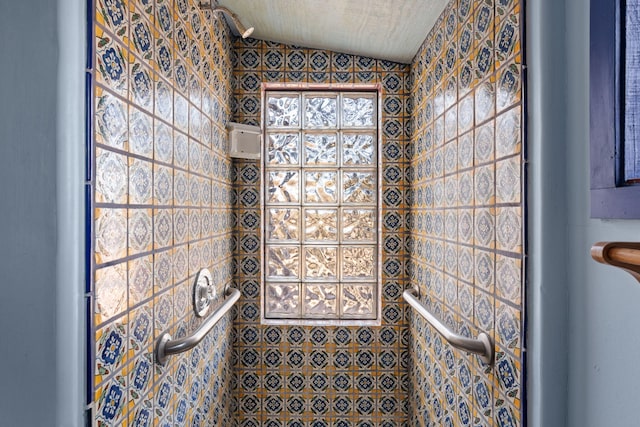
column 320, row 376
column 162, row 203
column 467, row 213
column 164, row 190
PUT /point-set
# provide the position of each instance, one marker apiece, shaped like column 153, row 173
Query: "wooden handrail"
column 625, row 255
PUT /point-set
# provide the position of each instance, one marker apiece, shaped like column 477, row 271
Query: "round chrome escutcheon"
column 203, row 292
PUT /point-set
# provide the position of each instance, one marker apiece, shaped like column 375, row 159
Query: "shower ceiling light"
column 244, row 31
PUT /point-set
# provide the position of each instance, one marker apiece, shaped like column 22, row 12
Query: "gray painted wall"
column 547, row 298
column 41, row 120
column 604, row 314
column 583, row 316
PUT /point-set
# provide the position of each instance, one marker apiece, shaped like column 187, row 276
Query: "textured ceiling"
column 383, row 29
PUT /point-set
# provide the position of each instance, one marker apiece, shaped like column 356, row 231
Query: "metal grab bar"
column 166, row 347
column 481, row 345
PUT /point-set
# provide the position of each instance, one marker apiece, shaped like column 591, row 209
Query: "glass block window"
column 321, row 206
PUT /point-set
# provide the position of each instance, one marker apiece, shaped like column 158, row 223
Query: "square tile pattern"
column 320, row 375
column 467, row 215
column 168, row 201
column 162, row 210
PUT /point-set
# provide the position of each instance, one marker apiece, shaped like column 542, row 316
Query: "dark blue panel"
column 89, row 126
column 632, row 91
column 603, row 93
column 89, row 249
column 88, row 197
column 611, row 197
column 90, row 34
column 89, row 349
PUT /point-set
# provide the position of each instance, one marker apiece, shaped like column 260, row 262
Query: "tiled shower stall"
column 167, row 200
column 301, row 375
column 162, row 206
column 467, row 213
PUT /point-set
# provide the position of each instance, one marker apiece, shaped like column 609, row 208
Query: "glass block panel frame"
column 321, row 204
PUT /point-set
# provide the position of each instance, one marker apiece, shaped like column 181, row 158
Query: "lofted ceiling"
column 384, row 29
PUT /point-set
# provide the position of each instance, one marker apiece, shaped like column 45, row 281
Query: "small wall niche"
column 244, row 141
